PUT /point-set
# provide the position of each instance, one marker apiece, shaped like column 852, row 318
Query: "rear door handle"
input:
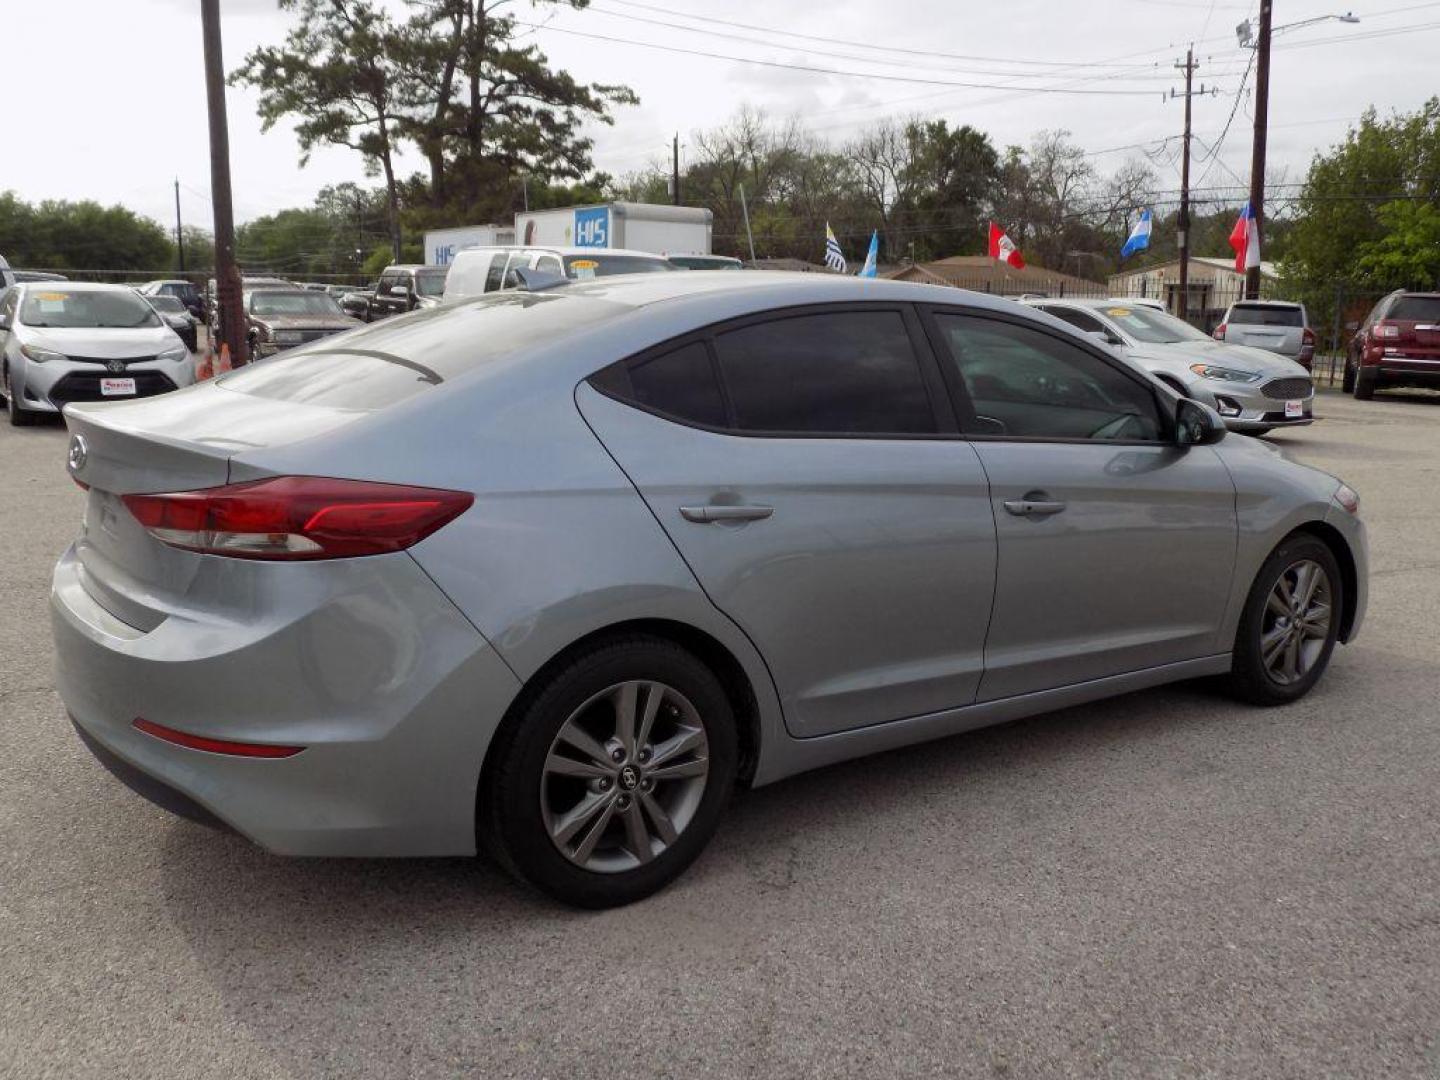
column 705, row 515
column 1033, row 507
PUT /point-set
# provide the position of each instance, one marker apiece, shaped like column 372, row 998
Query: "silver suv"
column 1278, row 326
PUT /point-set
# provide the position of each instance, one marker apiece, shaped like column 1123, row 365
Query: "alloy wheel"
column 1296, row 625
column 624, row 776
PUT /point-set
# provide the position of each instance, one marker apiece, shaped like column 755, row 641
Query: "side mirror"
column 1197, row 424
column 1104, row 337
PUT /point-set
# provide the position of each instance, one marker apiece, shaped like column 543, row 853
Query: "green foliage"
column 1348, row 205
column 1408, row 254
column 330, row 238
column 64, row 236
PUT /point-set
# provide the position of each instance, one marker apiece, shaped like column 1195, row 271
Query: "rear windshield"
column 589, row 266
column 273, row 304
column 86, row 309
column 390, row 361
column 430, row 282
column 167, row 303
column 1416, row 309
column 1266, row 315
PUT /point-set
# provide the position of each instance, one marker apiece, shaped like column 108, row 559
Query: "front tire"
column 18, row 417
column 610, row 778
column 1289, row 625
column 1347, row 380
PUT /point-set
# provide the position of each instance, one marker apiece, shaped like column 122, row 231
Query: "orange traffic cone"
column 224, row 364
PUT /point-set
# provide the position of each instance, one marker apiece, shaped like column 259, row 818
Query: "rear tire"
column 1365, row 380
column 1281, row 648
column 1347, row 380
column 545, row 793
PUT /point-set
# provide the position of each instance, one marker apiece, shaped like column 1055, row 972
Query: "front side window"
column 1078, row 319
column 87, row 309
column 837, row 373
column 1023, row 383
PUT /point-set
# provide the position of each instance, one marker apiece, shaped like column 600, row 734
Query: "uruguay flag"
column 872, row 256
column 834, row 257
column 1139, row 238
column 1245, row 239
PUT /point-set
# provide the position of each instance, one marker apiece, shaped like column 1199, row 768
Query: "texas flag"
column 1003, row 248
column 1245, row 239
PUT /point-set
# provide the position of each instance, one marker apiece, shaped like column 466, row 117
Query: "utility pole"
column 675, row 170
column 179, row 235
column 1182, row 303
column 1257, row 159
column 227, row 274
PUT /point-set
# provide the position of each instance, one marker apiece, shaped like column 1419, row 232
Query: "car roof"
column 74, row 286
column 560, row 249
column 769, row 288
column 1267, row 303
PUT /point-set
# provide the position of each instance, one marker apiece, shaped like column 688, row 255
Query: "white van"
column 489, row 269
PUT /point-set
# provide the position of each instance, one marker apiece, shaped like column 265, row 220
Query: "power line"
column 829, row 71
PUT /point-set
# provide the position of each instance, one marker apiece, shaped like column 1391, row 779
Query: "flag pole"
column 746, row 211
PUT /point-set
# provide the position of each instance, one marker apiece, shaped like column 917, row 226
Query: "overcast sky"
column 107, row 100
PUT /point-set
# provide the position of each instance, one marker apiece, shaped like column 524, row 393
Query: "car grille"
column 102, row 360
column 1287, row 389
column 83, row 386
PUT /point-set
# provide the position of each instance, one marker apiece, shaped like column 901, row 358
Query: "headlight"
column 1209, row 371
column 39, row 355
column 176, row 354
column 1345, row 495
column 290, row 336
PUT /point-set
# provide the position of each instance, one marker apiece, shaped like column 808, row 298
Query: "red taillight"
column 213, row 746
column 298, row 517
column 1307, row 337
column 1307, row 348
column 1219, row 334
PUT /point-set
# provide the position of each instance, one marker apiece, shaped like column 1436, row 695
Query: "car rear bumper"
column 392, row 693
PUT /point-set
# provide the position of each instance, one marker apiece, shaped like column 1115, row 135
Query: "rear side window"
column 496, row 274
column 1266, row 315
column 680, row 383
column 1425, row 309
column 837, row 373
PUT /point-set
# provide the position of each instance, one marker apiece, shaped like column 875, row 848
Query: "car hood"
column 119, row 344
column 1221, row 354
column 306, row 322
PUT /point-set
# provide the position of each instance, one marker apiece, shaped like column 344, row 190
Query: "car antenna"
column 532, row 280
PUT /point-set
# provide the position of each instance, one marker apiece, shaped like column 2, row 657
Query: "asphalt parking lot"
column 1167, row 884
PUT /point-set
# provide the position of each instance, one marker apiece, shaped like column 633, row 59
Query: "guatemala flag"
column 868, row 270
column 834, row 257
column 1139, row 238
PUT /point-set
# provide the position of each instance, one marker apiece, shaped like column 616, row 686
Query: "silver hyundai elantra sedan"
column 552, row 571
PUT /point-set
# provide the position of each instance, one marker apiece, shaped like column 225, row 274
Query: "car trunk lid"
column 175, row 442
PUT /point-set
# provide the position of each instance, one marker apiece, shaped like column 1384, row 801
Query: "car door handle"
column 705, row 515
column 1033, row 507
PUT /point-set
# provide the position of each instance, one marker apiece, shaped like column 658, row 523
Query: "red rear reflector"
column 298, row 517
column 214, row 746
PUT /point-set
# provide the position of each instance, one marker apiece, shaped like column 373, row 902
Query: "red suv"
column 1398, row 344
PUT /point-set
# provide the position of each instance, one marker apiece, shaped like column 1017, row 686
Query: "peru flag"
column 1003, row 248
column 1245, row 239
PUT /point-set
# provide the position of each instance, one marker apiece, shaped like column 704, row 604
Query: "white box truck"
column 441, row 244
column 664, row 230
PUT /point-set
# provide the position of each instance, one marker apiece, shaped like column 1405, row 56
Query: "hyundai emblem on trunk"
column 79, row 452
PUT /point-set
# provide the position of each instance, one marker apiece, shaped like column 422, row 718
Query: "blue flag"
column 1139, row 238
column 868, row 270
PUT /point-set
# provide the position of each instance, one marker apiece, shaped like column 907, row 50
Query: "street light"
column 1245, row 35
column 1262, row 111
